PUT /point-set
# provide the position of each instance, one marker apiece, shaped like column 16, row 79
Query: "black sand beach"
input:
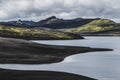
column 39, row 75
column 17, row 51
column 26, row 52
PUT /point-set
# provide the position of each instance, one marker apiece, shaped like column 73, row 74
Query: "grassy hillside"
column 95, row 26
column 28, row 33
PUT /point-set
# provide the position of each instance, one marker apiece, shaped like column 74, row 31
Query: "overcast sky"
column 40, row 9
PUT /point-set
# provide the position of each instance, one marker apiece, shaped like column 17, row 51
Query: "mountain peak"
column 19, row 21
column 52, row 17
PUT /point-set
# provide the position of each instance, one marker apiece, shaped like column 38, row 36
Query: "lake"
column 98, row 65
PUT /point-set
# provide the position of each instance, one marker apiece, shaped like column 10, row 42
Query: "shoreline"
column 17, row 51
column 113, row 35
column 39, row 75
column 42, row 38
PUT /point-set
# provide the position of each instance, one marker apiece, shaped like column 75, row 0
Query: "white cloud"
column 43, row 4
column 37, row 9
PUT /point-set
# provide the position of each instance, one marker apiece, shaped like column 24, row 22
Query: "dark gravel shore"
column 27, row 52
column 39, row 75
column 17, row 51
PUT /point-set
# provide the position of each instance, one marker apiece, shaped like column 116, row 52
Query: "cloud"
column 39, row 9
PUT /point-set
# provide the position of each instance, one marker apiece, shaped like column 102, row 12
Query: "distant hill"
column 78, row 25
column 35, row 34
column 96, row 26
column 51, row 23
column 18, row 23
column 56, row 23
column 112, row 32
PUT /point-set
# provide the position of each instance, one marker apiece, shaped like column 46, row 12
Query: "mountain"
column 56, row 23
column 51, row 23
column 77, row 25
column 94, row 26
column 18, row 23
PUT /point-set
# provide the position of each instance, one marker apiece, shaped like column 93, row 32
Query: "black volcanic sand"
column 39, row 75
column 26, row 52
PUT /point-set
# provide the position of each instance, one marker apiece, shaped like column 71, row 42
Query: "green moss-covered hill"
column 29, row 33
column 97, row 25
column 46, row 29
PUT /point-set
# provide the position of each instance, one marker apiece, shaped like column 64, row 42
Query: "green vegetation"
column 29, row 33
column 94, row 26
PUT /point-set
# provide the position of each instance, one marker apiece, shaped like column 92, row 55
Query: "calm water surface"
column 99, row 65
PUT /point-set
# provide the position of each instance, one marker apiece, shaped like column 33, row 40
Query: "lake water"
column 98, row 65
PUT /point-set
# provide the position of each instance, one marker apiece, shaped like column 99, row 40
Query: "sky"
column 67, row 9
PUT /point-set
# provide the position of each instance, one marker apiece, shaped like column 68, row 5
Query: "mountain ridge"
column 51, row 22
column 77, row 25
